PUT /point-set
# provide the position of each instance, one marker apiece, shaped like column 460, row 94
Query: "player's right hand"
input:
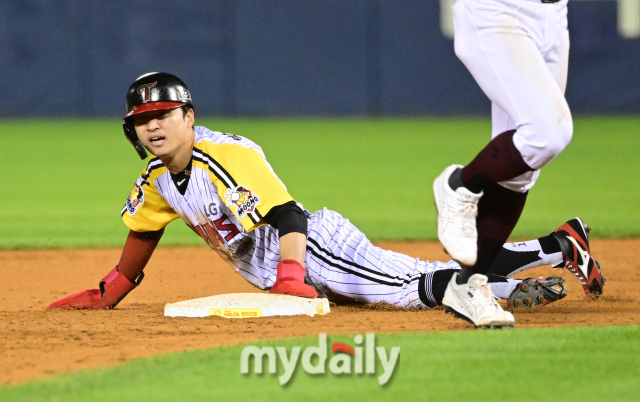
column 290, row 280
column 113, row 288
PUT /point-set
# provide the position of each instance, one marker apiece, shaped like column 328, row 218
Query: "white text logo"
column 345, row 360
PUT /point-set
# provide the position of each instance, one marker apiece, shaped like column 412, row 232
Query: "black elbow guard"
column 287, row 218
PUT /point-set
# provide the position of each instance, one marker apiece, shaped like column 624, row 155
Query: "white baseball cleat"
column 475, row 302
column 457, row 211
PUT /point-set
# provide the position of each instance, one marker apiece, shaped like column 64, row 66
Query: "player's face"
column 165, row 132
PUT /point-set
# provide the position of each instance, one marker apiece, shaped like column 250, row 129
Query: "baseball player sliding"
column 517, row 51
column 223, row 188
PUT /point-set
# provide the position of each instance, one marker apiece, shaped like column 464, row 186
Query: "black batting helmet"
column 153, row 91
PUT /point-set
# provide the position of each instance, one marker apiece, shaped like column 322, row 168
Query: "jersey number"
column 233, row 230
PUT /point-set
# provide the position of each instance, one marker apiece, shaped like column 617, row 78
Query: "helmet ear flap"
column 130, row 133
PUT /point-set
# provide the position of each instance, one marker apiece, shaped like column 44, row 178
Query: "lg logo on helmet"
column 145, row 90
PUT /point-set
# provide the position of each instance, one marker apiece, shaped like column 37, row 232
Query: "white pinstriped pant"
column 344, row 266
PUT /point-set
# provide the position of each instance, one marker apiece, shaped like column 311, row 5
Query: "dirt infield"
column 35, row 342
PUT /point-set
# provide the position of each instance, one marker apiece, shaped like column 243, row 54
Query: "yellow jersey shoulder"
column 154, row 168
column 146, row 210
column 244, row 179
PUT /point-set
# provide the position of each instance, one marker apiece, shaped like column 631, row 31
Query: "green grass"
column 560, row 364
column 65, row 182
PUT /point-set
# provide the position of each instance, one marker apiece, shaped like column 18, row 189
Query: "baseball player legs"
column 345, row 267
column 517, row 51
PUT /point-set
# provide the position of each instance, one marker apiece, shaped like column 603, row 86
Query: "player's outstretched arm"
column 293, row 246
column 121, row 280
column 290, row 270
column 291, row 223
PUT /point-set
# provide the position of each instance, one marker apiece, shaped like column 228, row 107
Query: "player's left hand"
column 290, row 280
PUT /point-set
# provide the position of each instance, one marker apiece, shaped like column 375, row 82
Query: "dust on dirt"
column 36, row 342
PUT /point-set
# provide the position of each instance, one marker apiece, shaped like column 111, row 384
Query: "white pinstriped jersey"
column 232, row 186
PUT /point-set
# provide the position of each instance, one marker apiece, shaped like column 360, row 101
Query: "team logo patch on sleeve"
column 136, row 198
column 243, row 199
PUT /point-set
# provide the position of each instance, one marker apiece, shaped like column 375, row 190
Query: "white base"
column 247, row 305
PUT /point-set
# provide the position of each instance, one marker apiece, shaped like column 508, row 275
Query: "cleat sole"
column 492, row 324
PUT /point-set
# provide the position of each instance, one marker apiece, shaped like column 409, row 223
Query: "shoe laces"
column 468, row 210
column 485, row 297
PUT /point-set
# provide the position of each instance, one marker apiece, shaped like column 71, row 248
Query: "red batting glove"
column 113, row 288
column 290, row 280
